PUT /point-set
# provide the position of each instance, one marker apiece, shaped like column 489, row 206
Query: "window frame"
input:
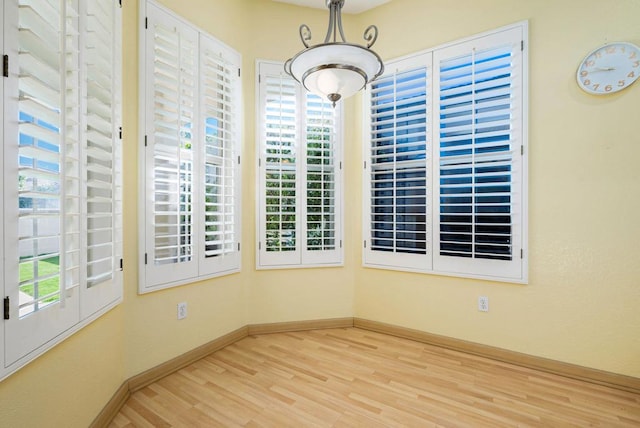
column 198, row 267
column 301, row 257
column 431, row 262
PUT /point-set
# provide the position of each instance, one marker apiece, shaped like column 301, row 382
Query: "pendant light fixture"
column 335, row 69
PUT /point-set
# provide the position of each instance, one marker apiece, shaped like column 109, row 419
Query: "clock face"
column 609, row 68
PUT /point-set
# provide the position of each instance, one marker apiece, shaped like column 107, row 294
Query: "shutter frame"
column 388, row 157
column 172, row 258
column 57, row 152
column 285, row 168
column 514, row 271
column 477, row 258
column 209, row 55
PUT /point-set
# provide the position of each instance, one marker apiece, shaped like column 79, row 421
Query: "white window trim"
column 201, row 269
column 426, row 264
column 303, row 259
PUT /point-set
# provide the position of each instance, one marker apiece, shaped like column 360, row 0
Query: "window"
column 445, row 175
column 300, row 174
column 61, row 171
column 191, row 105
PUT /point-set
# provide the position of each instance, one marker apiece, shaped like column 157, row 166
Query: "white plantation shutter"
column 479, row 161
column 192, row 107
column 445, row 176
column 102, row 152
column 100, row 136
column 43, row 216
column 322, row 189
column 220, row 121
column 54, row 160
column 279, row 172
column 300, row 174
column 172, row 56
column 397, row 206
column 5, row 48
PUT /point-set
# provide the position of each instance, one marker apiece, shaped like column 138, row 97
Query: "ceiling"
column 350, row 6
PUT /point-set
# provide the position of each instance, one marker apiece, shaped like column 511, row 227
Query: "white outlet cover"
column 182, row 310
column 483, row 304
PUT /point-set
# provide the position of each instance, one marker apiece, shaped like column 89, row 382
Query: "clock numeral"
column 584, row 73
column 590, row 63
column 620, row 83
column 598, row 54
column 633, row 55
column 608, row 88
column 596, row 86
column 611, row 50
column 636, row 64
column 631, row 75
column 587, row 82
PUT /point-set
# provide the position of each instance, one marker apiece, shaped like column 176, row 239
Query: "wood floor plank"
column 349, row 377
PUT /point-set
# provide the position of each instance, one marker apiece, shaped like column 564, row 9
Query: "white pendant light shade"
column 334, row 70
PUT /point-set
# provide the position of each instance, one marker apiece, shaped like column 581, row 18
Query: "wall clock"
column 609, row 68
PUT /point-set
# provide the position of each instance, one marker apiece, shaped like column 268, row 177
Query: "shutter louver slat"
column 44, row 50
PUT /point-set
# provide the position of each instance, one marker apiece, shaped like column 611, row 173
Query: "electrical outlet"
column 483, row 304
column 182, row 310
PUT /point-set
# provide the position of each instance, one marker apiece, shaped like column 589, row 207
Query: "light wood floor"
column 351, row 377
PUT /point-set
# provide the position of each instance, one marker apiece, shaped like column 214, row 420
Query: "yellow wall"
column 153, row 335
column 581, row 302
column 583, row 298
column 71, row 383
column 295, row 294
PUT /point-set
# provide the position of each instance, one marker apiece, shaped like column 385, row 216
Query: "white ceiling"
column 350, row 6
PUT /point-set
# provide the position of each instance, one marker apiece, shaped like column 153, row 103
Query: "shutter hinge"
column 259, row 78
column 521, row 45
column 521, row 253
column 522, row 150
column 365, row 164
column 6, row 308
column 145, row 141
column 5, row 66
column 121, row 264
column 238, row 71
column 146, row 23
column 259, row 162
column 259, row 245
column 120, row 132
column 238, row 160
column 341, row 243
column 145, row 259
column 365, row 243
column 238, row 247
column 120, row 3
column 340, row 164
